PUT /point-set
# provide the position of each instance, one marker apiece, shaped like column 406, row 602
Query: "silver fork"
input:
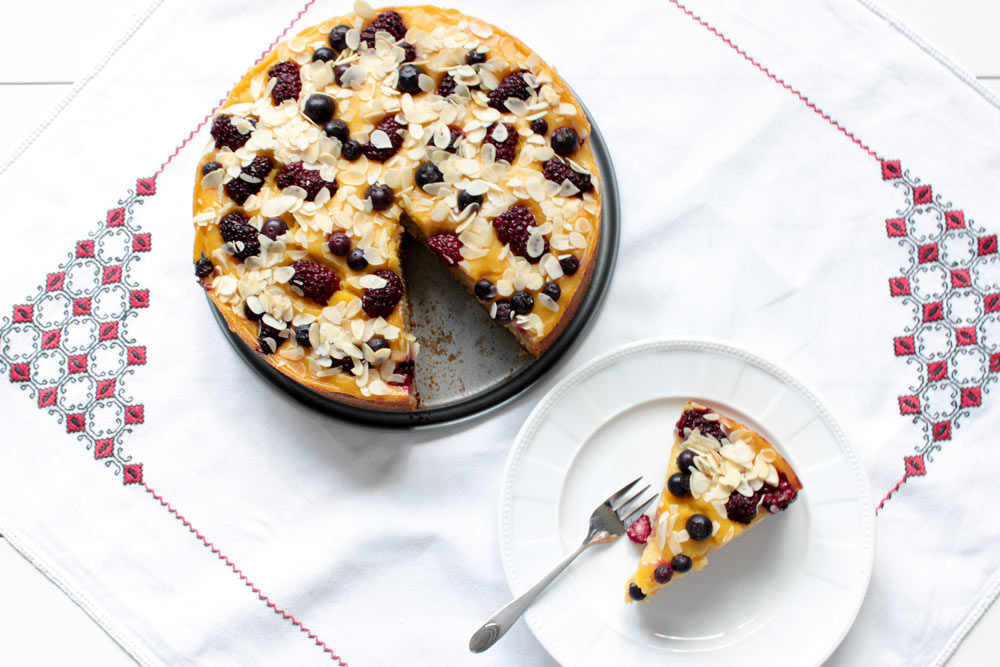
column 607, row 524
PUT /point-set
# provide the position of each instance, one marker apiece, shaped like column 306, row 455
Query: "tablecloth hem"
column 976, row 613
column 82, row 601
column 951, row 66
column 80, row 85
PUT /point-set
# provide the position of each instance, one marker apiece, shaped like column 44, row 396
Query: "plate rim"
column 696, row 344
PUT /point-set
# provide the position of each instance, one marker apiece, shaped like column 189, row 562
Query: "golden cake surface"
column 414, row 117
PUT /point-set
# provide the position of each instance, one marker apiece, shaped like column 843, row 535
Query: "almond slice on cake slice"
column 723, row 479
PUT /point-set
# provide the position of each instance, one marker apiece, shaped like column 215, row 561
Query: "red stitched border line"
column 232, row 566
column 211, row 113
column 781, row 82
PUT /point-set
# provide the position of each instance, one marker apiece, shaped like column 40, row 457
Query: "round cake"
column 416, row 120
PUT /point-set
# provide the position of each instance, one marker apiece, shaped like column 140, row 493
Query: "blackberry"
column 404, row 368
column 287, row 84
column 307, row 179
column 390, row 22
column 240, row 190
column 446, row 86
column 409, row 52
column 447, row 247
column 695, row 419
column 740, row 508
column 392, row 129
column 558, row 170
column 512, row 85
column 237, row 231
column 506, row 149
column 226, row 134
column 317, row 282
column 778, row 498
column 511, row 228
column 381, row 302
column 203, row 267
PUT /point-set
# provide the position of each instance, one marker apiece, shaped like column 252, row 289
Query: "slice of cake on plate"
column 723, row 479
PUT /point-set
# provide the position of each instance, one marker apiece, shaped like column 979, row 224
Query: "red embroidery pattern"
column 951, row 280
column 67, row 345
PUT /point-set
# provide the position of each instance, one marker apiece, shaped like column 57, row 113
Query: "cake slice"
column 723, row 479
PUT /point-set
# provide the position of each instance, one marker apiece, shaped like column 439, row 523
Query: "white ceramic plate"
column 793, row 584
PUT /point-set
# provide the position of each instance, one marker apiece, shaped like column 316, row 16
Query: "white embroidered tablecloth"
column 803, row 179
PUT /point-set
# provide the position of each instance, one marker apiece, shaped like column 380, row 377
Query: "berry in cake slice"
column 723, row 479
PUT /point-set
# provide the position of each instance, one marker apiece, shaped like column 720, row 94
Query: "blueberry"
column 381, row 196
column 356, row 260
column 324, row 54
column 465, row 200
column 427, row 173
column 475, row 57
column 410, row 52
column 679, row 484
column 663, row 573
column 339, row 243
column 636, row 593
column 540, row 126
column 319, row 108
column 338, row 73
column 203, row 267
column 409, row 79
column 209, row 167
column 699, row 527
column 552, row 290
column 302, row 335
column 565, row 141
column 337, row 129
column 351, row 150
column 685, row 460
column 273, row 228
column 338, row 37
column 250, row 315
column 377, row 343
column 503, row 314
column 681, row 563
column 569, row 265
column 522, row 303
column 484, row 290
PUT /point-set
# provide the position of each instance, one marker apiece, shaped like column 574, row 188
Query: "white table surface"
column 39, row 625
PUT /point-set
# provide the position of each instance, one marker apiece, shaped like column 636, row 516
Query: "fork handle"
column 501, row 622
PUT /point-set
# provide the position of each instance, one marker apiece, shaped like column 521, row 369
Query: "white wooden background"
column 41, row 626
